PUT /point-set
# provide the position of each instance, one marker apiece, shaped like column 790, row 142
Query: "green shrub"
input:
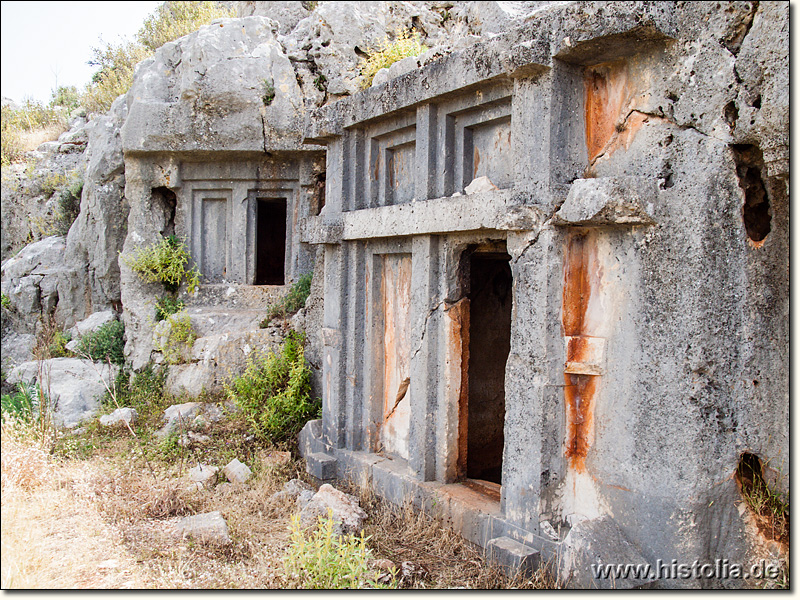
column 274, row 392
column 65, row 96
column 144, row 392
column 293, row 301
column 57, row 348
column 323, row 560
column 105, row 344
column 69, row 205
column 387, row 53
column 5, row 301
column 21, row 405
column 165, row 262
column 176, row 343
column 166, row 306
column 268, row 93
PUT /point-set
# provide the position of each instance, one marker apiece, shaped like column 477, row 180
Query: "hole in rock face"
column 756, row 212
column 768, row 507
column 318, row 200
column 730, row 113
column 165, row 199
column 489, row 344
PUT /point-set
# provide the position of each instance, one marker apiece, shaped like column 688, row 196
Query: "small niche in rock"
column 770, row 510
column 730, row 113
column 318, row 199
column 756, row 212
column 164, row 199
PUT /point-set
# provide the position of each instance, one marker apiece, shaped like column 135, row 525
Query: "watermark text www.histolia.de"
column 720, row 569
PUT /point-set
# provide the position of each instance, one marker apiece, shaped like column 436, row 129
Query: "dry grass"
column 107, row 521
column 405, row 533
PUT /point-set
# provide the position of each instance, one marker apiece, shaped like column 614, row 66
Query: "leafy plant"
column 320, row 81
column 175, row 338
column 324, row 560
column 144, row 391
column 165, row 261
column 293, row 301
column 107, row 343
column 387, row 53
column 21, row 405
column 69, row 205
column 51, row 342
column 166, row 306
column 65, row 96
column 5, row 301
column 274, row 391
column 268, row 94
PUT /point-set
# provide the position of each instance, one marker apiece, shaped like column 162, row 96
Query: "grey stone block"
column 513, row 556
column 322, row 466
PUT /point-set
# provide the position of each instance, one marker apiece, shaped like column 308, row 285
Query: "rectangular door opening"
column 490, row 299
column 270, row 241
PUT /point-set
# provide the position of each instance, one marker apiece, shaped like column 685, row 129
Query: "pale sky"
column 45, row 42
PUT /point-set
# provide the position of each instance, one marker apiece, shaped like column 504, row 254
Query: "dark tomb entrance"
column 489, row 344
column 270, row 241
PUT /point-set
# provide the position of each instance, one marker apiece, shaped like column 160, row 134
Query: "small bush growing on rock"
column 323, row 560
column 166, row 306
column 105, row 344
column 5, row 301
column 51, row 342
column 165, row 262
column 268, row 94
column 293, row 301
column 69, row 205
column 387, row 53
column 176, row 338
column 144, row 392
column 274, row 391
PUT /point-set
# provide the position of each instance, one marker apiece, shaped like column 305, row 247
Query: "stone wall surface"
column 620, row 158
column 627, row 163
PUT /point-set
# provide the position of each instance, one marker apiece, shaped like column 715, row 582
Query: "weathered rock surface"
column 92, row 323
column 120, row 416
column 346, row 512
column 204, row 475
column 96, row 238
column 205, row 528
column 30, row 190
column 293, row 489
column 75, row 386
column 237, row 472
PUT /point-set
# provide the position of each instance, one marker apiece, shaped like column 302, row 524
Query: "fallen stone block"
column 204, row 475
column 92, row 323
column 292, row 489
column 206, row 528
column 348, row 516
column 237, row 472
column 513, row 556
column 120, row 416
column 322, row 466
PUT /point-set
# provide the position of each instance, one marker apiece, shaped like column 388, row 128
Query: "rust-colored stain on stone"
column 579, row 388
column 476, row 161
column 607, row 94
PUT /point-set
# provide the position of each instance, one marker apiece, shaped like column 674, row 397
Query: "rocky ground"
column 206, row 507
